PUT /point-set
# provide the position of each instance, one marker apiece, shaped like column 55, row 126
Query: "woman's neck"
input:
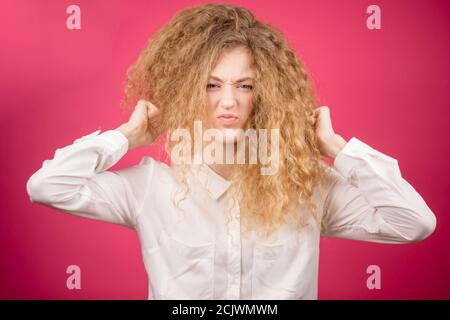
column 224, row 170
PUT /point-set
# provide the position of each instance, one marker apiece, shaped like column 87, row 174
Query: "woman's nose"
column 227, row 98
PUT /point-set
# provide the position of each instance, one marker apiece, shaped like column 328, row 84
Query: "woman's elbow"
column 425, row 226
column 34, row 189
column 40, row 189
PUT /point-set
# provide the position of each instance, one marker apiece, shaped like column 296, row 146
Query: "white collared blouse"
column 194, row 253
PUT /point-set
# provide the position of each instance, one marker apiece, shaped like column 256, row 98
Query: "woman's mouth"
column 228, row 118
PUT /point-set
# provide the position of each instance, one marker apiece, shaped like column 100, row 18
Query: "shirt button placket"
column 234, row 257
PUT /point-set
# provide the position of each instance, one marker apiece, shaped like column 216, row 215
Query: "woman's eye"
column 246, row 86
column 212, row 86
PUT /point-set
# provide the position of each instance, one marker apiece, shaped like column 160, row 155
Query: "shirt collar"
column 214, row 183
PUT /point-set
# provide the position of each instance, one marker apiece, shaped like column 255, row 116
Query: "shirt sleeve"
column 369, row 200
column 76, row 180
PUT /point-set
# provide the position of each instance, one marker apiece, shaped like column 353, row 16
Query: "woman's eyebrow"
column 237, row 81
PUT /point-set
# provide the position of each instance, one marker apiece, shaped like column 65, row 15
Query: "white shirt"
column 190, row 254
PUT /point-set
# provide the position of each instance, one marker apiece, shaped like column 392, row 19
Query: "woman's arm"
column 76, row 180
column 367, row 197
column 369, row 200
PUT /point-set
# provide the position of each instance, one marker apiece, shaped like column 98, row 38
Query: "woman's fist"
column 330, row 143
column 141, row 128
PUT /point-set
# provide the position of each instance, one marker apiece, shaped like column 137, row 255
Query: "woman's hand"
column 330, row 143
column 140, row 128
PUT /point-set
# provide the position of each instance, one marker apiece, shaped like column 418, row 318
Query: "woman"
column 225, row 230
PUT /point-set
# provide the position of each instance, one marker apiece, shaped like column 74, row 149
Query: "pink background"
column 387, row 87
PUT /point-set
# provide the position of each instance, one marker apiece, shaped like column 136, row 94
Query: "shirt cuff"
column 112, row 141
column 115, row 141
column 353, row 151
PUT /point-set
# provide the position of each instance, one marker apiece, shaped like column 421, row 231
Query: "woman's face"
column 230, row 91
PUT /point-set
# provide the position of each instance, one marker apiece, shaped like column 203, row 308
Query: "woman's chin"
column 231, row 135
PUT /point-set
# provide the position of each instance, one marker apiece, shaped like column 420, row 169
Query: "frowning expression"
column 230, row 90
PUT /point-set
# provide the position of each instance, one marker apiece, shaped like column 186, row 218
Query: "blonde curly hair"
column 172, row 72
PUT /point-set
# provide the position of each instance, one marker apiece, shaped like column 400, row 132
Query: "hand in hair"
column 330, row 143
column 140, row 128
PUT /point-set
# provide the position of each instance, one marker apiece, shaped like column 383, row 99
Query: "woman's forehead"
column 234, row 65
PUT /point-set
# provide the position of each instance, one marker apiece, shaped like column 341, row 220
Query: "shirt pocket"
column 277, row 268
column 187, row 271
